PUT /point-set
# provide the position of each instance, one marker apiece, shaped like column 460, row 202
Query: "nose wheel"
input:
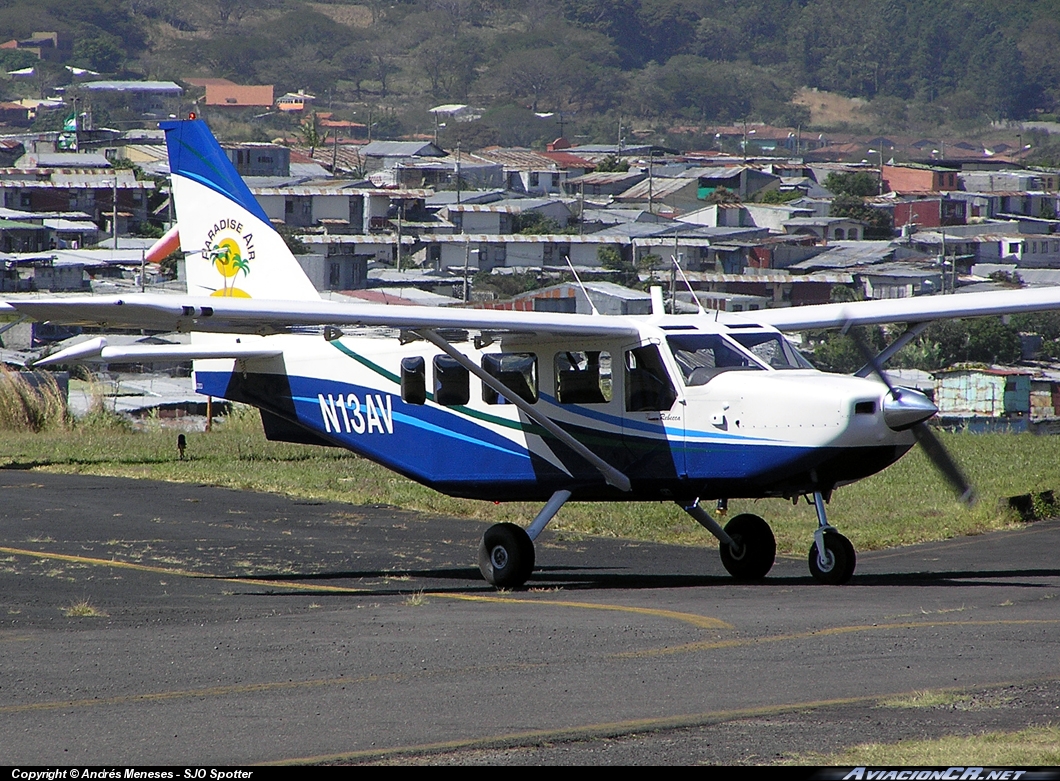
column 835, row 566
column 832, row 558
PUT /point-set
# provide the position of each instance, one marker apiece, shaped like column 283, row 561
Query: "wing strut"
column 911, row 333
column 611, row 475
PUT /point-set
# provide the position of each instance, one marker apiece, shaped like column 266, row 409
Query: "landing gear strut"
column 506, row 553
column 832, row 558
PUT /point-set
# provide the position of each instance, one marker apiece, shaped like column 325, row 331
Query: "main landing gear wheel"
column 839, row 560
column 756, row 548
column 506, row 555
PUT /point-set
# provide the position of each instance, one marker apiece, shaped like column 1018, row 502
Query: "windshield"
column 773, row 350
column 702, row 357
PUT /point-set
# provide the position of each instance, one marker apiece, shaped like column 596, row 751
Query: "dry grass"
column 906, row 503
column 31, row 407
column 827, row 109
column 1038, row 746
column 416, row 598
column 83, row 609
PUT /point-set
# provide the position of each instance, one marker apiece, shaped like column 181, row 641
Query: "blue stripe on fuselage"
column 439, row 445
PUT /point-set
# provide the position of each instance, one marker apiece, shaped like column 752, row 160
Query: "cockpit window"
column 773, row 350
column 702, row 357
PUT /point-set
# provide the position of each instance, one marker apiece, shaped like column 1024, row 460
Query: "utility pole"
column 651, row 181
column 581, row 207
column 114, row 215
column 401, row 213
column 458, row 174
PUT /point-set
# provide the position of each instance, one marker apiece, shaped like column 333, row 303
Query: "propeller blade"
column 925, row 437
column 940, row 457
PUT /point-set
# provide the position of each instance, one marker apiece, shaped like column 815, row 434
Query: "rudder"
column 231, row 249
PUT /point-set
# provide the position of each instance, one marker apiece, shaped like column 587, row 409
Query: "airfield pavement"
column 235, row 628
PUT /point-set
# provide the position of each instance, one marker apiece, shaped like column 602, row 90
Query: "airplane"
column 529, row 406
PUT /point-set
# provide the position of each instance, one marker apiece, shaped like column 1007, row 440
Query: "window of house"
column 583, row 377
column 516, row 371
column 452, row 384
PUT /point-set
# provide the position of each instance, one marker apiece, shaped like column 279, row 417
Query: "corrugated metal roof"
column 165, row 87
column 715, row 172
column 93, row 182
column 402, row 149
column 518, row 238
column 481, row 209
column 834, row 278
column 519, row 159
column 604, row 177
column 656, row 188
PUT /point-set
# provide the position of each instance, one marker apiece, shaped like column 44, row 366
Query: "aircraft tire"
column 506, row 555
column 759, row 548
column 844, row 560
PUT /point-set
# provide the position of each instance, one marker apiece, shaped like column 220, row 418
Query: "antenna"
column 689, row 286
column 570, row 265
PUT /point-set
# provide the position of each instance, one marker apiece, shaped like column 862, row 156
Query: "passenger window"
column 452, row 385
column 517, row 371
column 648, row 385
column 583, row 377
column 413, row 380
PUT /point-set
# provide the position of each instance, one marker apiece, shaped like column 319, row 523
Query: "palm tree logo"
column 226, row 258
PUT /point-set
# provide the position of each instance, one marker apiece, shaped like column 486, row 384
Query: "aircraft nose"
column 904, row 408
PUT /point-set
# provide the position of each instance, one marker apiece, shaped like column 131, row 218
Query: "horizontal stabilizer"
column 97, row 351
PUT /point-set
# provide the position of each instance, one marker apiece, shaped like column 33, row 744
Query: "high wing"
column 911, row 310
column 246, row 316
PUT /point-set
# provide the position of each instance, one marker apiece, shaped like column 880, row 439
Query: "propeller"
column 905, row 409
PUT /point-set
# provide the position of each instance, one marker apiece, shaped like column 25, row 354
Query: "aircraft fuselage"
column 694, row 408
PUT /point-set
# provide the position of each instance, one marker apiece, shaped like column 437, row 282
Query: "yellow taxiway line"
column 529, row 738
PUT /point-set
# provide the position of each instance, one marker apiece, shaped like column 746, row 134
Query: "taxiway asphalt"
column 232, row 627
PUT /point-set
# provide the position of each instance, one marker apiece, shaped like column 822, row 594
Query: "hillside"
column 651, row 64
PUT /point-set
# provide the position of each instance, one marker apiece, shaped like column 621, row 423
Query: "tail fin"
column 231, row 248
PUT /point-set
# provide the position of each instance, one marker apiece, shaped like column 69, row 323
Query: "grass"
column 416, row 599
column 951, row 700
column 28, row 407
column 1036, row 746
column 83, row 609
column 905, row 504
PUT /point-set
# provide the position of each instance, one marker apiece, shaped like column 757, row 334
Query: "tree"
column 449, row 64
column 103, row 53
column 854, row 183
column 776, row 196
column 991, row 341
column 612, row 164
column 878, row 223
column 312, row 134
column 722, row 195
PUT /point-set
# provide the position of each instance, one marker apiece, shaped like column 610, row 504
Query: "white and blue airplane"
column 528, row 406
